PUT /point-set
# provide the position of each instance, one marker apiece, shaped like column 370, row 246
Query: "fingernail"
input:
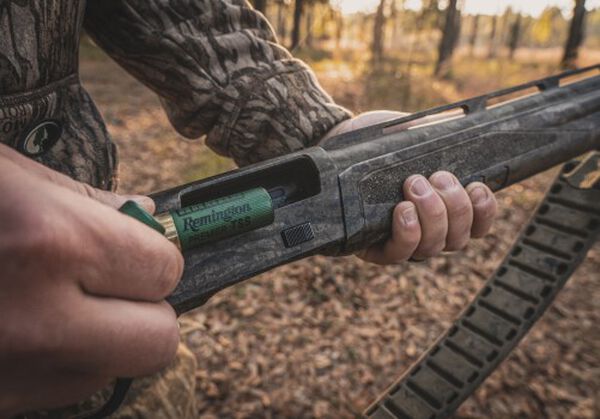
column 409, row 216
column 478, row 195
column 420, row 187
column 443, row 181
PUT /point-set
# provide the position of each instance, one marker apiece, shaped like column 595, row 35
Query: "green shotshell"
column 224, row 217
column 133, row 209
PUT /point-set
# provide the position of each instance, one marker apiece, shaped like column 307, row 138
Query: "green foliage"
column 549, row 29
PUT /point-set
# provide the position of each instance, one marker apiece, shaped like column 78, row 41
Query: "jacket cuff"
column 273, row 110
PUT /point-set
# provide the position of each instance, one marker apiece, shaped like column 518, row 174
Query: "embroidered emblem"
column 40, row 139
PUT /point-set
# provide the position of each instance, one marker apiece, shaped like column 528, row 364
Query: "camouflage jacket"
column 215, row 64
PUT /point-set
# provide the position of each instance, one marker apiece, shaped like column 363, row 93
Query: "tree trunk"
column 281, row 21
column 473, row 37
column 309, row 24
column 298, row 9
column 449, row 39
column 394, row 16
column 513, row 37
column 378, row 33
column 339, row 30
column 260, row 5
column 575, row 39
column 492, row 44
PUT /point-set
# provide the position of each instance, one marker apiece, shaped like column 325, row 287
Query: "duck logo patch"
column 40, row 139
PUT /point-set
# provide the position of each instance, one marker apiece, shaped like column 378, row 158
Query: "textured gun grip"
column 554, row 243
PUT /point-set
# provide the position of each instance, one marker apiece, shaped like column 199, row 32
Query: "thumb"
column 108, row 198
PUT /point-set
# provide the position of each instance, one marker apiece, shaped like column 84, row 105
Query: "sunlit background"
column 530, row 7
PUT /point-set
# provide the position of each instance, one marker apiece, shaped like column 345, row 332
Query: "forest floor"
column 324, row 336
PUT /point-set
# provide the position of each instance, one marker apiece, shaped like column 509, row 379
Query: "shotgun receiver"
column 338, row 198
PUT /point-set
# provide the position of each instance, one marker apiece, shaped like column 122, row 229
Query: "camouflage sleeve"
column 219, row 72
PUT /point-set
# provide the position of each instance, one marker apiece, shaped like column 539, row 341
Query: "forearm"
column 221, row 73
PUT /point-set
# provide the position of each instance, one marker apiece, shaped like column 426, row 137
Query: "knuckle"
column 462, row 209
column 36, row 238
column 437, row 212
column 85, row 189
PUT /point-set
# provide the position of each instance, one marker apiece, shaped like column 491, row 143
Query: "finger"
column 406, row 234
column 120, row 258
column 458, row 207
column 432, row 215
column 108, row 198
column 120, row 338
column 485, row 208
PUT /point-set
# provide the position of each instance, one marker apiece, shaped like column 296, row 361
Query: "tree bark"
column 473, row 36
column 281, row 21
column 339, row 30
column 298, row 9
column 449, row 39
column 513, row 37
column 378, row 33
column 575, row 38
column 309, row 24
column 394, row 14
column 492, row 44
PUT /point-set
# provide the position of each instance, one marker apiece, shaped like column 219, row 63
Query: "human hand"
column 438, row 214
column 82, row 289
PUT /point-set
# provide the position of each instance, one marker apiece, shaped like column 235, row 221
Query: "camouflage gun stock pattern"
column 338, row 198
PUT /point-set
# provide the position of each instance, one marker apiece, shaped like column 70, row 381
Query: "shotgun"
column 338, row 197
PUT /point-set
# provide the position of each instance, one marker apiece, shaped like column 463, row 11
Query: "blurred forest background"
column 324, row 336
column 394, row 47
